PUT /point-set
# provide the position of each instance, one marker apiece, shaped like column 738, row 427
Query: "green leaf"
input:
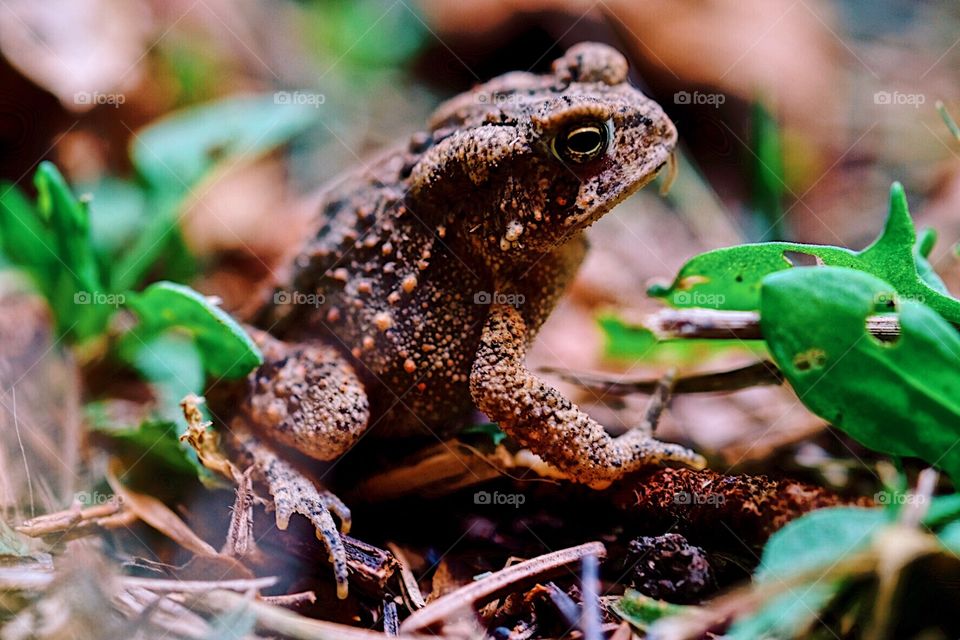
column 901, row 398
column 487, row 429
column 817, row 540
column 767, row 183
column 152, row 442
column 789, row 615
column 178, row 151
column 641, row 611
column 174, row 154
column 811, row 543
column 623, row 340
column 225, row 348
column 51, row 243
column 172, row 364
column 730, row 278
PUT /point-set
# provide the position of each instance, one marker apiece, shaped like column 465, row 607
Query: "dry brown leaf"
column 160, row 517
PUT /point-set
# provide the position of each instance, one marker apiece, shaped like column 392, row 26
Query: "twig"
column 495, row 584
column 411, row 590
column 708, row 324
column 590, row 622
column 751, row 375
column 286, row 622
column 193, row 586
column 391, row 621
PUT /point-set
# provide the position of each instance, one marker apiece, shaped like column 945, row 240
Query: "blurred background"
column 200, row 130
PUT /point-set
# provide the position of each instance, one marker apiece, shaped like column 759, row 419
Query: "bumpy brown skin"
column 433, row 269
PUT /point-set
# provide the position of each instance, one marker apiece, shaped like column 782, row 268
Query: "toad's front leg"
column 306, row 397
column 540, row 418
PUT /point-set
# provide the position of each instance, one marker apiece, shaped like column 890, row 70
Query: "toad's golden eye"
column 582, row 142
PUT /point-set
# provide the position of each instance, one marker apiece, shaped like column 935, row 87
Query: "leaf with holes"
column 731, row 278
column 901, row 398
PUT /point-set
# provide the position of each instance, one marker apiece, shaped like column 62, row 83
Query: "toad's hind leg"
column 539, row 417
column 306, row 397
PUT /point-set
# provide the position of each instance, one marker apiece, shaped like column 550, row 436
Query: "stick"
column 464, row 598
column 738, row 325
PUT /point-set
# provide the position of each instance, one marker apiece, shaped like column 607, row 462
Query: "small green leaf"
column 641, row 611
column 487, row 429
column 51, row 243
column 767, row 178
column 623, row 340
column 900, row 398
column 225, row 348
column 730, row 278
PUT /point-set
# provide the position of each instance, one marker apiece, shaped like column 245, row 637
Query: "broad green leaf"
column 730, row 278
column 812, row 542
column 789, row 615
column 902, row 397
column 641, row 611
column 225, row 348
column 950, row 537
column 176, row 152
column 172, row 364
column 817, row 540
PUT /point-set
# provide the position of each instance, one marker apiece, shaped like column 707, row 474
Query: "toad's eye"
column 582, row 142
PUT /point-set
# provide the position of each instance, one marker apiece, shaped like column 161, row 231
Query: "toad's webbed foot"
column 293, row 492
